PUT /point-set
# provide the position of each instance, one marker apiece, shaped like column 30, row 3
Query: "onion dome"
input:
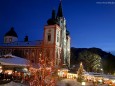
column 52, row 20
column 11, row 32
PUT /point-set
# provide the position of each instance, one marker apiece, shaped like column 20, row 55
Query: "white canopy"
column 10, row 59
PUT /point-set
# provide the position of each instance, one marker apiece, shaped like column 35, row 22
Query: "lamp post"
column 101, row 70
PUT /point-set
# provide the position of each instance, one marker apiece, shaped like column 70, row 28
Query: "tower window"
column 58, row 36
column 49, row 37
column 5, row 39
column 10, row 39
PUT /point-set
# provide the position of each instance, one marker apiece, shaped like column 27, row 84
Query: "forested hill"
column 76, row 51
column 107, row 59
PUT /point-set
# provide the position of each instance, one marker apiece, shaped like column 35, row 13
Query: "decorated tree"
column 80, row 73
column 44, row 75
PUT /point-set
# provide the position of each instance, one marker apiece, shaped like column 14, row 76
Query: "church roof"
column 10, row 59
column 60, row 13
column 52, row 20
column 22, row 43
column 11, row 32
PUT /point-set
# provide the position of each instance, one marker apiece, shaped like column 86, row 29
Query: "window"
column 49, row 37
column 58, row 36
column 5, row 39
column 10, row 39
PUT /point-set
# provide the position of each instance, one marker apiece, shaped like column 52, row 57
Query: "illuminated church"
column 54, row 49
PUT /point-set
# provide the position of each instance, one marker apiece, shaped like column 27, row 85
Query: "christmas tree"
column 80, row 73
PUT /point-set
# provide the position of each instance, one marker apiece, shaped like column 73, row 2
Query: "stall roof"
column 10, row 59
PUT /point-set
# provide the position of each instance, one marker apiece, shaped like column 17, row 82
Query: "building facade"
column 54, row 49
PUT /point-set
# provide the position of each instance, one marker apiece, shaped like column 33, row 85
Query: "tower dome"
column 52, row 20
column 11, row 32
column 10, row 36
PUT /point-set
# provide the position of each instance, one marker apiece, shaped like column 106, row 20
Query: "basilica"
column 54, row 49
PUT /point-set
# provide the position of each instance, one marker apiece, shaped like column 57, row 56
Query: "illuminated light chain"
column 39, row 80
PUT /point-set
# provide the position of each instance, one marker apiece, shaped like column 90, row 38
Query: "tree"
column 80, row 73
column 46, row 75
column 109, row 64
column 92, row 61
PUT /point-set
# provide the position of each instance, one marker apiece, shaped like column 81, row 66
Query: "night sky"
column 91, row 22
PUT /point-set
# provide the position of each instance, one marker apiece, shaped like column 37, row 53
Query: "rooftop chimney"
column 26, row 39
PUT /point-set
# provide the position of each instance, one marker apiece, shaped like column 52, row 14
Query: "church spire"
column 60, row 13
column 53, row 14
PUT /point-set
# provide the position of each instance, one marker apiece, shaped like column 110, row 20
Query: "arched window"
column 49, row 36
column 5, row 39
column 10, row 39
column 58, row 36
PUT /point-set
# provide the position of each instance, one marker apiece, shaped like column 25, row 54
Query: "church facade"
column 54, row 49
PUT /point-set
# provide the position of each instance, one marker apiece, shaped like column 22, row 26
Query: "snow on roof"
column 22, row 43
column 10, row 59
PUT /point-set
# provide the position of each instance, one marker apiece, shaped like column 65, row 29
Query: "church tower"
column 56, row 39
column 68, row 48
column 65, row 38
column 51, row 44
column 10, row 36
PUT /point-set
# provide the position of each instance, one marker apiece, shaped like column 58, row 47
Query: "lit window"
column 10, row 39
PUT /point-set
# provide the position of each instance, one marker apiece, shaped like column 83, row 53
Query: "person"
column 94, row 83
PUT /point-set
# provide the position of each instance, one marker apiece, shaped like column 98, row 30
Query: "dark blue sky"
column 91, row 22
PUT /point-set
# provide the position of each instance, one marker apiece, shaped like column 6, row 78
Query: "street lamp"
column 83, row 83
column 1, row 68
column 101, row 70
